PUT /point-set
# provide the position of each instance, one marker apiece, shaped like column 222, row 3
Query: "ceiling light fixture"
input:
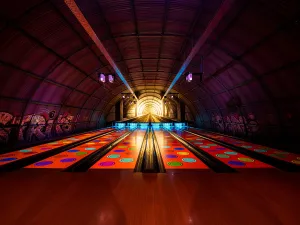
column 127, row 97
column 102, row 77
column 111, row 78
column 189, row 77
column 71, row 4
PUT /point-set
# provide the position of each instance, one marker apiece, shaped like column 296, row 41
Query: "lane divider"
column 175, row 155
column 49, row 141
column 41, row 152
column 238, row 142
column 213, row 163
column 140, row 159
column 124, row 155
column 73, row 155
column 157, row 152
column 87, row 162
column 226, row 155
column 259, row 155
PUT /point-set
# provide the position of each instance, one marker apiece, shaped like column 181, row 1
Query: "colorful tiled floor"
column 272, row 152
column 24, row 153
column 231, row 158
column 175, row 155
column 124, row 155
column 69, row 157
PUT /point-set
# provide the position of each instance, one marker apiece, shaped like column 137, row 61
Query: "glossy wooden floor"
column 34, row 197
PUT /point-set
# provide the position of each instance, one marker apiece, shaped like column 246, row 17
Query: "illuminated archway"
column 150, row 107
column 149, row 104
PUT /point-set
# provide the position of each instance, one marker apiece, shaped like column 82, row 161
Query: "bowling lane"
column 175, row 155
column 155, row 119
column 124, row 155
column 24, row 153
column 231, row 158
column 71, row 156
column 271, row 152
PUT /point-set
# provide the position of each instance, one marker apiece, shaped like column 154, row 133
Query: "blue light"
column 167, row 126
column 180, row 126
column 120, row 125
column 144, row 125
column 132, row 125
column 156, row 126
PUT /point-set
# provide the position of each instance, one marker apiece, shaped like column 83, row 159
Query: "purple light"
column 111, row 78
column 102, row 78
column 189, row 77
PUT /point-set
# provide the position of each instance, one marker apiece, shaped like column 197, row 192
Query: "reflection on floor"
column 118, row 197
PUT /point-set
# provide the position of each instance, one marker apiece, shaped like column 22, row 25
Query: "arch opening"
column 149, row 106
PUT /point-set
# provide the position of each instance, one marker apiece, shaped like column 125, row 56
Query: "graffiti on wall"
column 5, row 119
column 34, row 127
column 235, row 123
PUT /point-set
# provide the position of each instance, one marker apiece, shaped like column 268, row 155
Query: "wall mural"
column 236, row 124
column 34, row 127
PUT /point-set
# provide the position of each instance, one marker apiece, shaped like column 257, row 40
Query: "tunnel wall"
column 49, row 67
column 37, row 127
column 189, row 117
column 130, row 111
column 111, row 116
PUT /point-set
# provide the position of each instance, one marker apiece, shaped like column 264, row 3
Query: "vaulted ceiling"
column 251, row 60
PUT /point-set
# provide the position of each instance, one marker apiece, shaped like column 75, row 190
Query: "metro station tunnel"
column 149, row 112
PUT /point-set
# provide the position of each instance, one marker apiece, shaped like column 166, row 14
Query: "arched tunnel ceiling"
column 251, row 59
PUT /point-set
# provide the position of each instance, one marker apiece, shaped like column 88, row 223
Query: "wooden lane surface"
column 118, row 197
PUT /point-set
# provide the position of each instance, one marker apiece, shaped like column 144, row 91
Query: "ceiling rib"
column 222, row 11
column 85, row 24
column 164, row 22
column 110, row 34
column 189, row 34
column 135, row 20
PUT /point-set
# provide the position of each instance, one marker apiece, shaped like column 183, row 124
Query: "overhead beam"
column 158, row 35
column 137, row 33
column 85, row 24
column 222, row 11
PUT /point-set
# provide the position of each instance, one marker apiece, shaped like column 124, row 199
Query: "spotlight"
column 172, row 96
column 111, row 78
column 102, row 78
column 189, row 77
column 123, row 96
